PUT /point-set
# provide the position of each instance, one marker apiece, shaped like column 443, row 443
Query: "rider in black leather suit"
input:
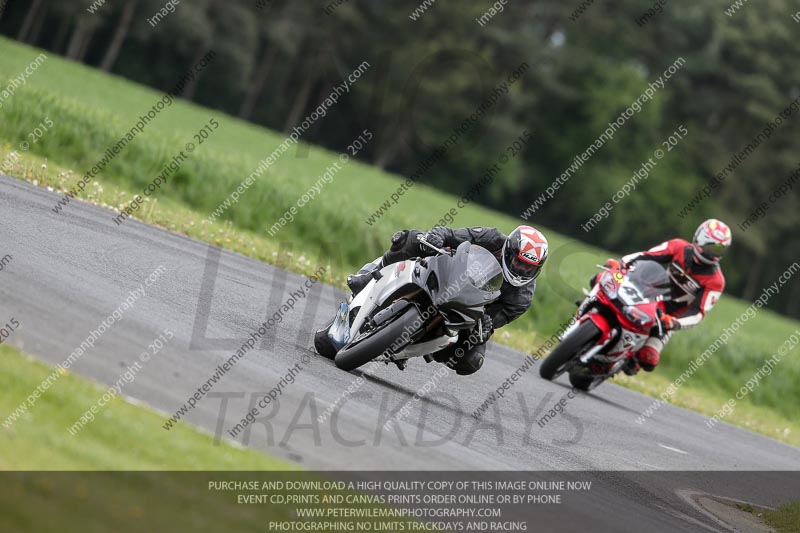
column 522, row 255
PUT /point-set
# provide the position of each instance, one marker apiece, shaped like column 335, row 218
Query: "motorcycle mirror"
column 421, row 239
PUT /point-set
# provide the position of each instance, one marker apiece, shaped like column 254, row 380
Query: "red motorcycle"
column 613, row 322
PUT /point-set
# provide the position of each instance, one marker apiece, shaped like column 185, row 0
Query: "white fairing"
column 630, row 294
column 375, row 293
column 628, row 342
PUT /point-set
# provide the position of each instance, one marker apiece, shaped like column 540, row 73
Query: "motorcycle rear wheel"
column 352, row 357
column 575, row 343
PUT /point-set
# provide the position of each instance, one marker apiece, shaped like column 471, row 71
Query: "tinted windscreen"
column 650, row 278
column 483, row 269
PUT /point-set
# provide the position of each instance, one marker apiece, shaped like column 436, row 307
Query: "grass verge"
column 127, row 437
column 785, row 519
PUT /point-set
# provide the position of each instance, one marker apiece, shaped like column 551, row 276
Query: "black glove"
column 436, row 236
column 484, row 329
column 399, row 240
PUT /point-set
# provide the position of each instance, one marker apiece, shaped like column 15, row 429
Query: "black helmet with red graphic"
column 524, row 254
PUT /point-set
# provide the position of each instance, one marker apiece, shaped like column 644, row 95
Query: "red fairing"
column 651, row 309
column 601, row 323
column 632, row 317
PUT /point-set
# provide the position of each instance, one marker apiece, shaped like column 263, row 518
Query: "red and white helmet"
column 711, row 240
column 524, row 254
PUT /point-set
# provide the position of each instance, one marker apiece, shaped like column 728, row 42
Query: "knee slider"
column 470, row 364
column 648, row 358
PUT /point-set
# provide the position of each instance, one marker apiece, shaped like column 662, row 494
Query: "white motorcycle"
column 413, row 308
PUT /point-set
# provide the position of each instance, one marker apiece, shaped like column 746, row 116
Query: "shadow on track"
column 599, row 398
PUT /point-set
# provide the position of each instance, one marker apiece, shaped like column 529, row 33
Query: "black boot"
column 360, row 279
column 357, row 282
column 631, row 366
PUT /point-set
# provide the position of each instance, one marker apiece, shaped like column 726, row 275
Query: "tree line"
column 278, row 59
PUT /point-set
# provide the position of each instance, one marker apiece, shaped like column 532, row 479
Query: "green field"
column 90, row 111
column 124, row 469
column 124, row 437
column 785, row 519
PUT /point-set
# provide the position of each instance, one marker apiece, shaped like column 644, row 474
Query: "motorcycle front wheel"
column 392, row 336
column 323, row 344
column 575, row 343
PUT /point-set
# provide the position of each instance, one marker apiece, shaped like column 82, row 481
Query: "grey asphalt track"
column 70, row 271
